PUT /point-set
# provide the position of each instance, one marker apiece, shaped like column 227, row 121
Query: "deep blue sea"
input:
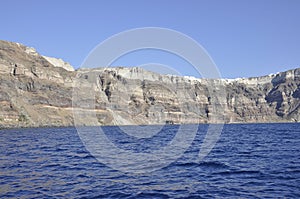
column 248, row 161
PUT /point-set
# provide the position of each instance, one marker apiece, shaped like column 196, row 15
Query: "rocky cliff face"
column 32, row 91
column 37, row 91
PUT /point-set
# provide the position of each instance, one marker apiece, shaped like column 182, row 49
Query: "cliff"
column 38, row 91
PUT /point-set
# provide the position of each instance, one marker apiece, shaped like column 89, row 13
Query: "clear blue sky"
column 244, row 37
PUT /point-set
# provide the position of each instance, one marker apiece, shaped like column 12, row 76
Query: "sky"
column 244, row 38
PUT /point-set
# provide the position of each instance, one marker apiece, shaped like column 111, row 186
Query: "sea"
column 246, row 161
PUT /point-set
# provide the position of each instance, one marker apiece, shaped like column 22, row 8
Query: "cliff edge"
column 37, row 91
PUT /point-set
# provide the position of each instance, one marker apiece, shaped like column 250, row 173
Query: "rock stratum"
column 38, row 91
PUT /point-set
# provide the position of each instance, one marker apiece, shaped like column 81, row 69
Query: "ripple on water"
column 249, row 161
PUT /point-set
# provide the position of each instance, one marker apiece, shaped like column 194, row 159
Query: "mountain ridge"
column 35, row 93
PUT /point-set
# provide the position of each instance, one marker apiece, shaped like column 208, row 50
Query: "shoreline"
column 232, row 123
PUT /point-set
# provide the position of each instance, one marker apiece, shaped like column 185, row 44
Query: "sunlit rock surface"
column 38, row 91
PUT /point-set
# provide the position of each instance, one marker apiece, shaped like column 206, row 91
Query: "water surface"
column 249, row 161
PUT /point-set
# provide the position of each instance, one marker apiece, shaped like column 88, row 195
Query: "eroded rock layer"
column 36, row 91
